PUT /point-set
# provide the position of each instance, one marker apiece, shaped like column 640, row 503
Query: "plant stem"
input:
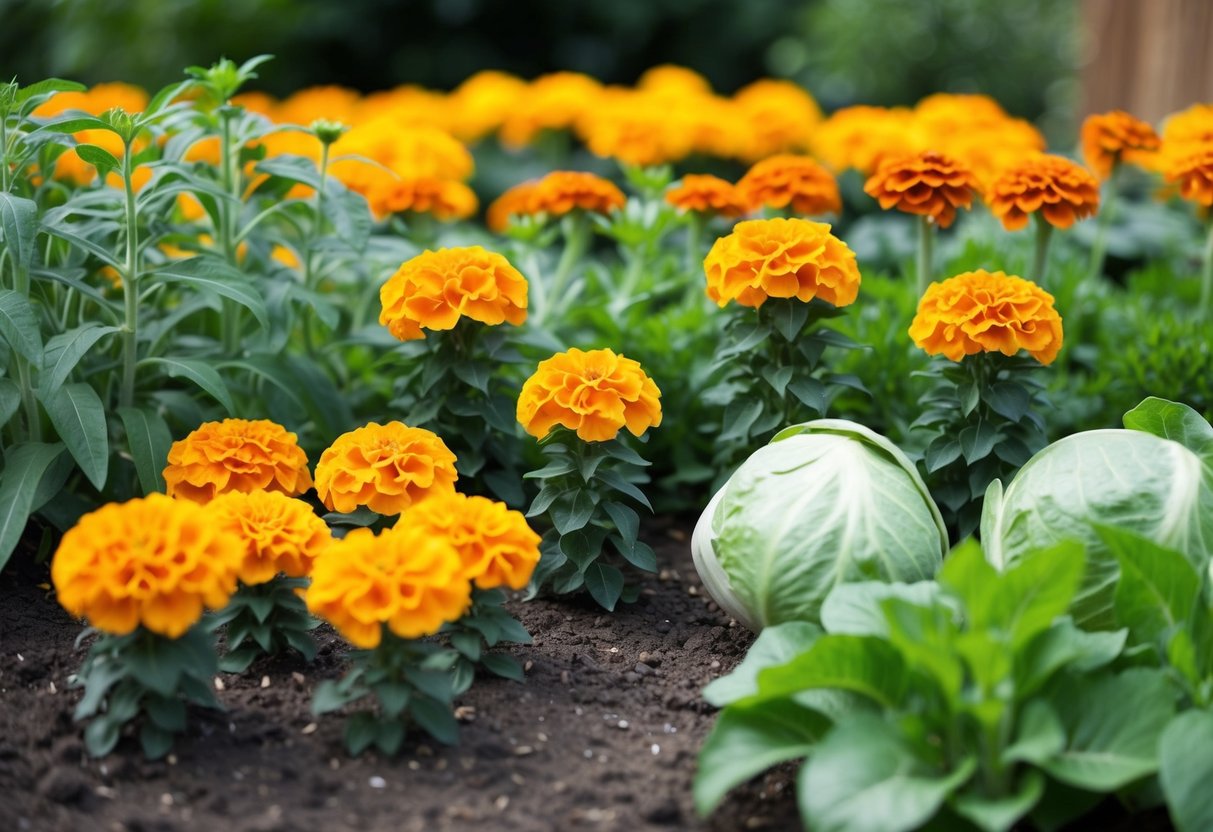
column 130, row 288
column 576, row 241
column 3, row 152
column 627, row 287
column 1205, row 307
column 1099, row 248
column 309, row 276
column 695, row 227
column 1040, row 261
column 230, row 322
column 926, row 245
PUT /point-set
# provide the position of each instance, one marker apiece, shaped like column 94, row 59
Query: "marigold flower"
column 1189, row 129
column 562, row 191
column 483, row 102
column 236, row 455
column 411, row 152
column 790, row 181
column 637, row 128
column 436, row 288
column 551, row 102
column 405, row 577
column 259, row 102
column 328, row 102
column 861, row 137
column 595, row 393
column 443, row 199
column 1108, row 138
column 494, row 542
column 515, row 201
column 982, row 311
column 928, row 184
column 781, row 258
column 284, row 256
column 96, row 100
column 706, row 194
column 1062, row 191
column 153, row 561
column 386, row 468
column 780, row 117
column 674, row 80
column 1194, row 173
column 281, row 534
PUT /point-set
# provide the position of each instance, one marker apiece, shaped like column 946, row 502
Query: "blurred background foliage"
column 1024, row 53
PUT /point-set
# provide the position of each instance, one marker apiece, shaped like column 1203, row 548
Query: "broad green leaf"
column 864, row 777
column 19, row 325
column 1000, row 814
column 1171, row 420
column 1157, row 587
column 775, row 645
column 1185, row 770
column 861, row 664
column 625, row 519
column 207, row 274
column 78, row 415
column 64, row 351
column 1064, row 646
column 47, row 85
column 855, row 609
column 1039, row 736
column 748, row 741
column 10, row 400
column 24, row 466
column 18, row 227
column 74, row 124
column 1112, row 728
column 572, row 512
column 149, row 439
column 98, row 157
column 604, row 583
column 436, row 719
column 199, row 372
column 928, row 640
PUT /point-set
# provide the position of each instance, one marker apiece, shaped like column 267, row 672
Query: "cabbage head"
column 1155, row 480
column 826, row 502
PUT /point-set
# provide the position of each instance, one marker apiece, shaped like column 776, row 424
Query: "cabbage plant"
column 1154, row 479
column 826, row 502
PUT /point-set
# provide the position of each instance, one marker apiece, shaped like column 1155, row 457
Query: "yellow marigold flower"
column 674, row 80
column 495, row 543
column 153, row 561
column 706, row 194
column 190, row 208
column 1194, row 173
column 551, row 102
column 236, row 455
column 1188, row 130
column 790, row 181
column 780, row 116
column 595, row 393
column 861, row 137
column 406, row 578
column 928, row 184
column 1062, row 191
column 636, row 128
column 384, row 467
column 987, row 312
column 1109, row 138
column 410, row 152
column 95, row 100
column 258, row 102
column 285, row 256
column 281, row 534
column 204, row 150
column 516, row 201
column 408, row 106
column 328, row 102
column 987, row 148
column 436, row 288
column 482, row 103
column 781, row 258
column 562, row 191
column 443, row 199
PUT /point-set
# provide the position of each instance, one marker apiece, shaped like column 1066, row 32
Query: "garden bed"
column 603, row 735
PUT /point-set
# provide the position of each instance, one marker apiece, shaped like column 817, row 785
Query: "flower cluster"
column 281, row 534
column 1060, row 190
column 781, row 258
column 793, row 182
column 436, row 288
column 928, row 184
column 1110, row 138
column 386, row 468
column 595, row 393
column 981, row 311
column 706, row 194
column 154, row 561
column 556, row 194
column 236, row 455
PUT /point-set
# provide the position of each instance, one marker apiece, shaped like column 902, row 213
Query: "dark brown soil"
column 602, row 736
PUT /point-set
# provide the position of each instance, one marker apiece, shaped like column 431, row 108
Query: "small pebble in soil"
column 523, row 751
column 218, row 683
column 414, row 765
column 377, row 782
column 310, row 728
column 502, row 802
column 622, row 725
column 655, row 749
column 265, row 681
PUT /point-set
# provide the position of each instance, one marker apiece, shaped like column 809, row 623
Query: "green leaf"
column 78, row 415
column 167, row 712
column 47, row 85
column 739, row 417
column 614, row 479
column 1157, row 587
column 394, row 697
column 435, row 719
column 101, row 735
column 605, row 584
column 360, row 731
column 977, row 441
column 199, row 372
column 1064, row 646
column 64, row 351
column 944, row 450
column 208, row 274
column 639, row 554
column 98, row 157
column 775, row 645
column 572, row 512
column 1185, row 770
column 810, row 392
column 856, row 608
column 747, row 741
column 467, row 643
column 861, row 664
column 1000, row 814
column 24, row 466
column 74, row 124
column 626, row 520
column 10, row 400
column 19, row 227
column 157, row 664
column 788, row 317
column 864, row 777
column 507, row 667
column 149, row 439
column 19, row 325
column 330, row 696
column 1112, row 728
column 1039, row 735
column 475, row 374
column 1008, row 399
column 1171, row 420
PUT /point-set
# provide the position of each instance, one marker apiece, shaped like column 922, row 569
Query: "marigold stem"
column 926, row 245
column 1040, row 262
column 1099, row 248
column 1206, row 279
column 576, row 242
column 130, row 288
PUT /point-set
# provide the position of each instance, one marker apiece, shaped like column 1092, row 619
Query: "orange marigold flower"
column 790, row 181
column 494, row 542
column 1062, row 191
column 281, row 534
column 384, row 467
column 1194, row 173
column 516, row 201
column 636, row 128
column 236, row 455
column 1109, row 138
column 153, row 561
column 780, row 117
column 96, row 100
column 328, row 102
column 443, row 199
column 436, row 288
column 482, row 102
column 405, row 577
column 861, row 137
column 1187, row 130
column 674, row 80
column 781, row 258
column 987, row 312
column 562, row 191
column 706, row 194
column 595, row 393
column 929, row 184
column 551, row 102
column 409, row 151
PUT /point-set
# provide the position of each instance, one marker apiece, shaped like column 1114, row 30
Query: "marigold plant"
column 928, row 184
column 779, row 116
column 595, row 393
column 562, row 191
column 443, row 199
column 706, row 194
column 1193, row 172
column 405, row 578
column 436, row 288
column 793, row 182
column 386, row 468
column 152, row 561
column 515, row 201
column 1057, row 190
column 781, row 258
column 984, row 311
column 281, row 535
column 1111, row 138
column 236, row 455
column 551, row 102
